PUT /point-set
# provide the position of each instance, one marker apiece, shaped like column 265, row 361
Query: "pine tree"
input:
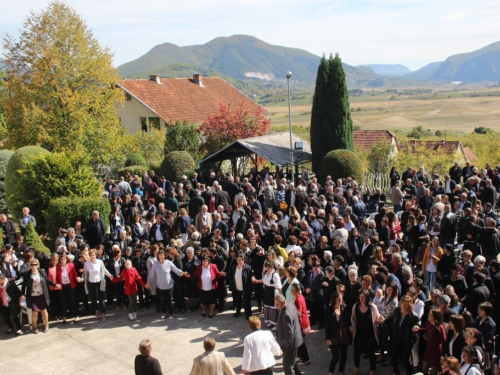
column 331, row 123
column 32, row 238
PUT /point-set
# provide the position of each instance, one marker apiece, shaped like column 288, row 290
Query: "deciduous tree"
column 62, row 87
column 230, row 125
column 182, row 136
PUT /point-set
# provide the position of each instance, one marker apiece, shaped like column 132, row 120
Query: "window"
column 128, row 97
column 148, row 123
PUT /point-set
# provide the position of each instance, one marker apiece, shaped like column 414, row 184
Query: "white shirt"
column 206, row 278
column 117, row 267
column 258, row 350
column 158, row 235
column 431, row 267
column 94, row 270
column 238, row 280
column 470, row 369
column 64, row 275
column 418, row 308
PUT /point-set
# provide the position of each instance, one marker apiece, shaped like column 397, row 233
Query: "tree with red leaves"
column 230, row 125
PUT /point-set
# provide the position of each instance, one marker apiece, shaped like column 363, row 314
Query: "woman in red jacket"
column 130, row 275
column 67, row 277
column 207, row 275
column 300, row 303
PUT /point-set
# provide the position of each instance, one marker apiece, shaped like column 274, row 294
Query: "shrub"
column 64, row 212
column 4, row 159
column 135, row 159
column 32, row 238
column 52, row 176
column 1, row 238
column 341, row 164
column 176, row 164
column 12, row 182
column 133, row 170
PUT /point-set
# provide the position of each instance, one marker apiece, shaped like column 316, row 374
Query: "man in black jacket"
column 240, row 276
column 448, row 227
column 9, row 230
column 195, row 204
column 314, row 294
column 476, row 295
column 144, row 364
column 241, row 224
column 222, row 198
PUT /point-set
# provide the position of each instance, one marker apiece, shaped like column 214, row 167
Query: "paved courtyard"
column 96, row 347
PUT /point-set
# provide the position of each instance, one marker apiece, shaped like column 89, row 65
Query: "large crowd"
column 410, row 285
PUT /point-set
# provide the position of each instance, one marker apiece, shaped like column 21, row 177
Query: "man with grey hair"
column 211, row 361
column 397, row 196
column 289, row 334
column 444, row 303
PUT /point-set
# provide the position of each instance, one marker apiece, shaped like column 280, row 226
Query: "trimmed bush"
column 135, row 159
column 4, row 159
column 13, row 184
column 176, row 164
column 52, row 176
column 341, row 164
column 32, row 238
column 133, row 170
column 1, row 238
column 64, row 212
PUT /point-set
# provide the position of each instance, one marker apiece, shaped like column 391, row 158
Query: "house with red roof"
column 451, row 148
column 150, row 103
column 364, row 140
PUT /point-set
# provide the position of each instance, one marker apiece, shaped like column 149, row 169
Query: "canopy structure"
column 274, row 147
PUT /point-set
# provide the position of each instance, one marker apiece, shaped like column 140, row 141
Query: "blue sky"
column 410, row 32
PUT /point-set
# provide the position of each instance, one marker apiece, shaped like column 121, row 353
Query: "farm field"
column 455, row 114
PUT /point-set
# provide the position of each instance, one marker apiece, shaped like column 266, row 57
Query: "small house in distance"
column 453, row 149
column 364, row 140
column 150, row 103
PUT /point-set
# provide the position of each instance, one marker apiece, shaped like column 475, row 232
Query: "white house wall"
column 131, row 113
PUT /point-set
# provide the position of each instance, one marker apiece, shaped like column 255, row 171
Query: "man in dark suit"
column 436, row 189
column 300, row 198
column 195, row 204
column 165, row 184
column 9, row 230
column 232, row 189
column 477, row 294
column 455, row 173
column 358, row 208
column 290, row 195
column 222, row 198
column 241, row 224
column 254, row 204
column 289, row 334
column 314, row 294
column 449, row 187
column 448, row 227
column 489, row 194
column 467, row 171
column 464, row 203
column 220, row 224
column 241, row 285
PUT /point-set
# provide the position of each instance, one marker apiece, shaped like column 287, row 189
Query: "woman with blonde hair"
column 432, row 255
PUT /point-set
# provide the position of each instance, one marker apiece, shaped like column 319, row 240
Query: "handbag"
column 283, row 205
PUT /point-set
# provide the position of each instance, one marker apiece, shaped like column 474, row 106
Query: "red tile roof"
column 448, row 147
column 365, row 139
column 184, row 99
column 469, row 154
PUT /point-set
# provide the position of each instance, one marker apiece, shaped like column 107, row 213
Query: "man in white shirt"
column 259, row 347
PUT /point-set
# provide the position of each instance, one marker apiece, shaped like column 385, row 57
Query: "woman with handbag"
column 300, row 303
column 35, row 288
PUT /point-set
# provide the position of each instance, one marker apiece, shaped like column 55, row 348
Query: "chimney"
column 197, row 79
column 155, row 78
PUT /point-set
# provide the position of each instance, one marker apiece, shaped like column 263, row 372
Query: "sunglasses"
column 34, row 265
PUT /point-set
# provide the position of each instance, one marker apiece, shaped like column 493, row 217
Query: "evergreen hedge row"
column 64, row 212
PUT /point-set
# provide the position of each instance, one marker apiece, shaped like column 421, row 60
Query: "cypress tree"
column 331, row 123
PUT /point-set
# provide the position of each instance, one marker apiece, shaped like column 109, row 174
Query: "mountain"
column 239, row 57
column 388, row 69
column 478, row 66
column 424, row 73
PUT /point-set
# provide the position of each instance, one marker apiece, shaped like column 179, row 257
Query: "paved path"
column 96, row 347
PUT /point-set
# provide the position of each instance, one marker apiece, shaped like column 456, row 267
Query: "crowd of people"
column 412, row 285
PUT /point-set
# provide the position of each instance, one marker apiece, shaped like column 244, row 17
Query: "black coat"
column 331, row 323
column 14, row 293
column 315, row 285
column 448, row 226
column 96, row 232
column 393, row 320
column 222, row 198
column 246, row 275
column 28, row 286
column 457, row 346
column 195, row 205
column 9, row 230
column 476, row 295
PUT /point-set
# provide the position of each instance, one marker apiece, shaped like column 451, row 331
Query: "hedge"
column 133, row 170
column 64, row 212
column 176, row 164
column 341, row 164
column 135, row 159
column 4, row 159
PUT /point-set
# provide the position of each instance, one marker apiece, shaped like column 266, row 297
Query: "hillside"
column 476, row 66
column 239, row 57
column 424, row 73
column 388, row 69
